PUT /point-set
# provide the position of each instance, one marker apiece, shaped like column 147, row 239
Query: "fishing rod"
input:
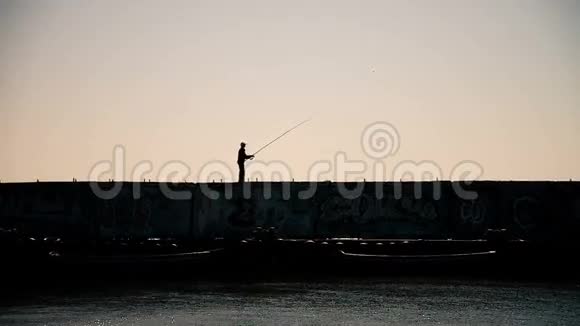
column 275, row 139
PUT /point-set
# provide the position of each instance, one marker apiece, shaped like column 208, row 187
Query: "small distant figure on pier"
column 242, row 157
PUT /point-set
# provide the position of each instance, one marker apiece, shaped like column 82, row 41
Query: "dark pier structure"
column 112, row 229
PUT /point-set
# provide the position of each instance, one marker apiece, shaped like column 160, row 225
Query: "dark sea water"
column 330, row 302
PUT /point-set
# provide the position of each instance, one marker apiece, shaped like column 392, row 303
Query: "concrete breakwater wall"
column 538, row 211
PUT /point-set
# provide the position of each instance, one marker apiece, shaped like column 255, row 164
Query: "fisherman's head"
column 242, row 144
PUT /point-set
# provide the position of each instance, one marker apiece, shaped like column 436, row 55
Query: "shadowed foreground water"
column 348, row 302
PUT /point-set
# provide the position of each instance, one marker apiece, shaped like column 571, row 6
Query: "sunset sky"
column 495, row 82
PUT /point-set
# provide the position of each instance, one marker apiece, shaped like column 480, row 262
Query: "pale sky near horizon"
column 495, row 82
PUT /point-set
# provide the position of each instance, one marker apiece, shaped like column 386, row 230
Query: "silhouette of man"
column 242, row 157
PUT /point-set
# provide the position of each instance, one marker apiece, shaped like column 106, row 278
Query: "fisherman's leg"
column 242, row 174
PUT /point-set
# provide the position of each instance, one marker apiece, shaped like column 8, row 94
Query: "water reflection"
column 347, row 302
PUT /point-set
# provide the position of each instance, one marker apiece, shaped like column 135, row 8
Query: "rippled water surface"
column 346, row 302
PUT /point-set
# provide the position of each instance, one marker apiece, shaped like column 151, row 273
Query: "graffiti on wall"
column 149, row 215
column 528, row 210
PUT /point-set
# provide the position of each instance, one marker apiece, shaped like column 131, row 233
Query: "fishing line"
column 275, row 139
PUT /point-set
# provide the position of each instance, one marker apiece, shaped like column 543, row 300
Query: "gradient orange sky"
column 496, row 82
